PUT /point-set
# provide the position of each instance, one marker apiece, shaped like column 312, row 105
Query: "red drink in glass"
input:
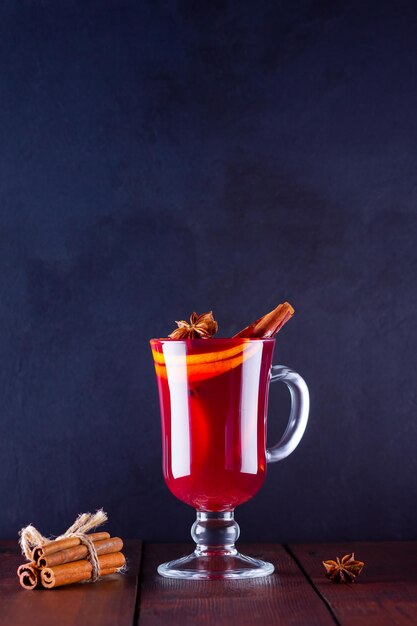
column 213, row 396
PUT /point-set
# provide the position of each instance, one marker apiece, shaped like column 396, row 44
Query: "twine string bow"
column 30, row 537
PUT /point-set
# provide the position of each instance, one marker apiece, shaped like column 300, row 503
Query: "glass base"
column 215, row 556
column 216, row 567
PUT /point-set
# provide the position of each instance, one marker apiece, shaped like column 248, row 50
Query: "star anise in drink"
column 199, row 327
column 343, row 570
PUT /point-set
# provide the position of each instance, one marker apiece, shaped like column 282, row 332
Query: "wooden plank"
column 383, row 595
column 108, row 602
column 285, row 597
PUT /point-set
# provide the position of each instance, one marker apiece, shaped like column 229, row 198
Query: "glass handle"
column 300, row 406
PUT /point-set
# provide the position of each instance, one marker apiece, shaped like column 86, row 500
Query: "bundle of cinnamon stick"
column 63, row 561
column 76, row 556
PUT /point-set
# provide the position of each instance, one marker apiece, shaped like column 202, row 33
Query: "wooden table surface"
column 296, row 594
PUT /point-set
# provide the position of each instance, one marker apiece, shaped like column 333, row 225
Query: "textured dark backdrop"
column 162, row 157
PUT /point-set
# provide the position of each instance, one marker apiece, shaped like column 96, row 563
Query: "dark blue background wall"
column 162, row 157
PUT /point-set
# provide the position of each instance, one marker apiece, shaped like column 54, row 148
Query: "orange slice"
column 180, row 367
column 203, row 357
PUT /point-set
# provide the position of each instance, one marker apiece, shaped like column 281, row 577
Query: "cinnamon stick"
column 79, row 571
column 62, row 544
column 76, row 553
column 28, row 575
column 268, row 325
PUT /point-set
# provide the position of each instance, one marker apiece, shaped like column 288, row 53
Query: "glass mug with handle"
column 213, row 396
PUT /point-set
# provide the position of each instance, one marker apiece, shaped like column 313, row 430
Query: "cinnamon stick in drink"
column 268, row 325
column 79, row 571
column 28, row 575
column 76, row 553
column 62, row 544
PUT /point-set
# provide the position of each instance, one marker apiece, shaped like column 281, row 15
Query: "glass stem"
column 215, row 533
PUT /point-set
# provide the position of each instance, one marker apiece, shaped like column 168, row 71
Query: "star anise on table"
column 343, row 570
column 199, row 327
